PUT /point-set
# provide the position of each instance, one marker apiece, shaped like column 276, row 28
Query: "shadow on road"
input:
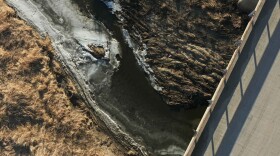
column 251, row 94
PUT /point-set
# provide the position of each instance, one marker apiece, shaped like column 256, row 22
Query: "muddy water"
column 124, row 94
column 132, row 101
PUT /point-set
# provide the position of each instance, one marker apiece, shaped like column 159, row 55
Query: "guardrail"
column 254, row 16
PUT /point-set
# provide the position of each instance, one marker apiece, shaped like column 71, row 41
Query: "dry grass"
column 41, row 112
column 190, row 43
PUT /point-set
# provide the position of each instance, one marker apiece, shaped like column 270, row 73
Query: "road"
column 246, row 120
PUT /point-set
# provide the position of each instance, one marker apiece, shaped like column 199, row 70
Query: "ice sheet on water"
column 70, row 30
column 113, row 4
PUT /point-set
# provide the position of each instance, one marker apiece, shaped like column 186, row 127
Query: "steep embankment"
column 189, row 43
column 41, row 112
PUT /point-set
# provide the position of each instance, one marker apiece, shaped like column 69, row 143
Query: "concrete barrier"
column 220, row 88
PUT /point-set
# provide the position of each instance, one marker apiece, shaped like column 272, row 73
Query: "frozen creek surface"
column 123, row 99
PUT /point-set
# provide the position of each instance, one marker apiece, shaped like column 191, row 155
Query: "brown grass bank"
column 190, row 43
column 41, row 112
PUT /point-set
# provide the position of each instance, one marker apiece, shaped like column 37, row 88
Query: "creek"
column 123, row 95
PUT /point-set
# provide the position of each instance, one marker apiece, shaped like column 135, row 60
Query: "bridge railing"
column 254, row 16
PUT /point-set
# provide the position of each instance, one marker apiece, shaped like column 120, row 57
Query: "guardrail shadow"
column 249, row 96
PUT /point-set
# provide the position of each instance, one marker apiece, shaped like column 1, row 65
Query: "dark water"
column 134, row 104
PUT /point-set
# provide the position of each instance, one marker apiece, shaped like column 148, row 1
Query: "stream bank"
column 118, row 91
column 41, row 110
column 188, row 44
